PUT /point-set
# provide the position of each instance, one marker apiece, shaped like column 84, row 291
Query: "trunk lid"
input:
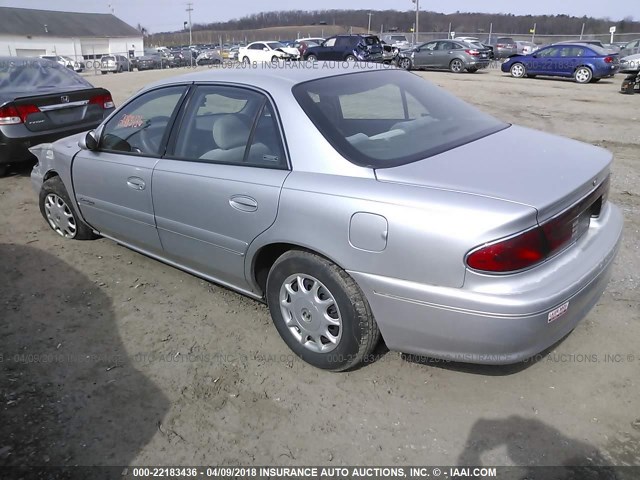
column 63, row 109
column 519, row 165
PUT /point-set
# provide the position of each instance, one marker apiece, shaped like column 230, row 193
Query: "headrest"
column 230, row 132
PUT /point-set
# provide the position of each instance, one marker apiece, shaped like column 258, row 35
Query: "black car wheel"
column 312, row 58
column 351, row 58
column 320, row 312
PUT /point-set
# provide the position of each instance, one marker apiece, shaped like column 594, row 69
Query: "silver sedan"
column 357, row 202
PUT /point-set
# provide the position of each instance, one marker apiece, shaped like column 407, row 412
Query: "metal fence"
column 530, row 37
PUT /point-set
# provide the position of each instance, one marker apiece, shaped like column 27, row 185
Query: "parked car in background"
column 114, row 64
column 396, row 40
column 150, row 62
column 303, row 45
column 510, row 255
column 630, row 48
column 525, row 48
column 317, row 40
column 630, row 64
column 42, row 101
column 347, row 48
column 585, row 63
column 65, row 61
column 233, row 53
column 209, row 57
column 267, row 52
column 454, row 55
column 504, row 47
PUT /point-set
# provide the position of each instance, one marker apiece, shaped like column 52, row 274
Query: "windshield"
column 25, row 76
column 386, row 118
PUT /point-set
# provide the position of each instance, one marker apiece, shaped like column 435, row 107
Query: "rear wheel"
column 518, row 70
column 405, row 63
column 58, row 211
column 351, row 58
column 320, row 312
column 456, row 65
column 312, row 58
column 583, row 75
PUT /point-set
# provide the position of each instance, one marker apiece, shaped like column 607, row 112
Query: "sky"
column 168, row 15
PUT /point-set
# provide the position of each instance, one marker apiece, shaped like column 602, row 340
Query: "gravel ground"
column 111, row 358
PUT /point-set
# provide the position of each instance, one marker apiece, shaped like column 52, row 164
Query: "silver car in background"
column 525, row 48
column 357, row 202
column 454, row 55
column 114, row 64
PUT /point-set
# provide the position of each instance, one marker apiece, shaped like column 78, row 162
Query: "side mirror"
column 89, row 142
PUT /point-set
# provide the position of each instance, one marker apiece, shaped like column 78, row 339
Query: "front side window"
column 230, row 125
column 329, row 43
column 141, row 126
column 386, row 118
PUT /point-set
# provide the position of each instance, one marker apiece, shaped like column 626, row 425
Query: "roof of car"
column 267, row 76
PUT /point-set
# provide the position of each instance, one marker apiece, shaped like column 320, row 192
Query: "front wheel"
column 246, row 61
column 518, row 70
column 58, row 211
column 351, row 58
column 320, row 312
column 312, row 58
column 583, row 75
column 456, row 66
column 405, row 63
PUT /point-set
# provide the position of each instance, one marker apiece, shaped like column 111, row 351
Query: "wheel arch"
column 266, row 255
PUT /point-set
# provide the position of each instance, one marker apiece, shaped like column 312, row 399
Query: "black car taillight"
column 532, row 246
column 15, row 114
column 104, row 100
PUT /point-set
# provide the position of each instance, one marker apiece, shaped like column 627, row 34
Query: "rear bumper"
column 480, row 63
column 499, row 320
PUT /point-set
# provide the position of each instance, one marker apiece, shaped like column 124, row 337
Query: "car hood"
column 517, row 164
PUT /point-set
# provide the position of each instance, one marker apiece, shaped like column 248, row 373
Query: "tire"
column 518, row 70
column 350, row 58
column 405, row 63
column 312, row 58
column 246, row 61
column 583, row 75
column 120, row 69
column 456, row 66
column 274, row 59
column 353, row 328
column 59, row 213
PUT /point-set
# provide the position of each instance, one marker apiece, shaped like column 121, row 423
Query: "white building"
column 26, row 32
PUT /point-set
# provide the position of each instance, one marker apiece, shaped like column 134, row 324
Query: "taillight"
column 608, row 60
column 501, row 45
column 105, row 101
column 473, row 52
column 12, row 115
column 528, row 248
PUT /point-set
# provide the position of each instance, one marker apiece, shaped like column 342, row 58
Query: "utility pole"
column 369, row 26
column 417, row 29
column 189, row 10
column 582, row 32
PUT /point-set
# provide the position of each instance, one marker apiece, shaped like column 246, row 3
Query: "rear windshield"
column 24, row 76
column 506, row 40
column 371, row 40
column 386, row 118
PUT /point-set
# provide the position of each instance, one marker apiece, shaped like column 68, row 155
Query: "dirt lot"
column 109, row 357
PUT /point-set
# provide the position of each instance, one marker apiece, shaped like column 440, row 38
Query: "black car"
column 347, row 47
column 42, row 101
column 149, row 62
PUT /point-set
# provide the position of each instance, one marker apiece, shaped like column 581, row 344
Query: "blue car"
column 585, row 63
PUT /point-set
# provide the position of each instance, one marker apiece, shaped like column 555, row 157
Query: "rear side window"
column 386, row 118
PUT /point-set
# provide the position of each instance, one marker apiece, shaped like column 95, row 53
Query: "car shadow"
column 70, row 393
column 482, row 369
column 531, row 444
column 20, row 169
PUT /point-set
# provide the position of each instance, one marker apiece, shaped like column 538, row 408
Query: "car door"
column 326, row 51
column 424, row 54
column 570, row 58
column 541, row 62
column 113, row 183
column 219, row 186
column 443, row 54
column 256, row 52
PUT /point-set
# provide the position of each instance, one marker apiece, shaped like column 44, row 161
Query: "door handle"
column 136, row 183
column 243, row 203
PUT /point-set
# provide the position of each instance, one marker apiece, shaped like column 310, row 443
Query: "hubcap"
column 456, row 66
column 311, row 313
column 582, row 75
column 59, row 216
column 518, row 70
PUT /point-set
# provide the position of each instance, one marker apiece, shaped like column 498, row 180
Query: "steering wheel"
column 151, row 134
